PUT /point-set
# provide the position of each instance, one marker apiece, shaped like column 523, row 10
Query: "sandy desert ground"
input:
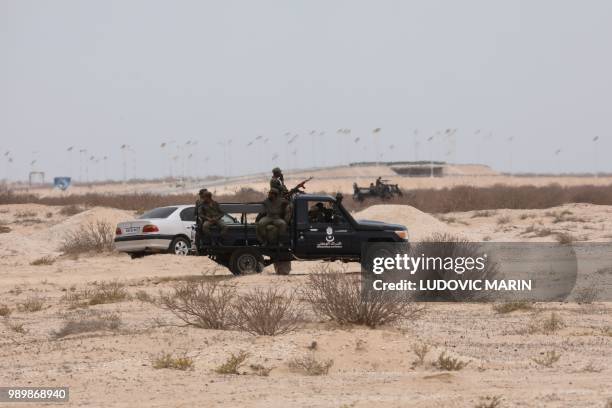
column 113, row 367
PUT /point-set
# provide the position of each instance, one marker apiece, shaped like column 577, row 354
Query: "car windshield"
column 163, row 212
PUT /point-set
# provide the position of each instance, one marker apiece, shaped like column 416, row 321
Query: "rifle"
column 298, row 188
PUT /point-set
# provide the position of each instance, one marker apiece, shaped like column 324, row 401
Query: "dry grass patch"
column 509, row 307
column 233, row 363
column 547, row 359
column 339, row 297
column 266, row 312
column 448, row 363
column 504, row 219
column 71, row 210
column 484, row 214
column 31, row 304
column 4, row 229
column 309, row 365
column 101, row 293
column 93, row 237
column 16, row 327
column 167, row 360
column 25, row 214
column 87, row 322
column 45, row 260
column 207, row 305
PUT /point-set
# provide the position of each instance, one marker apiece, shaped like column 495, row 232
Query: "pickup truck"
column 333, row 234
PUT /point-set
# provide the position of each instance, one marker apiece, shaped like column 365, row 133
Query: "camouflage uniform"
column 275, row 211
column 211, row 214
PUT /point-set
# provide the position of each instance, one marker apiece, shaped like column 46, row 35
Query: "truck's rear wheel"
column 246, row 261
column 282, row 267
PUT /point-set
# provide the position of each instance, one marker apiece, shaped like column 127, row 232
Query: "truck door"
column 322, row 229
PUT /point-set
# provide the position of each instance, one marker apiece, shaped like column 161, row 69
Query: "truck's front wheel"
column 246, row 261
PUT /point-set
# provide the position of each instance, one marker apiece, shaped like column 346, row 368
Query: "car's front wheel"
column 180, row 246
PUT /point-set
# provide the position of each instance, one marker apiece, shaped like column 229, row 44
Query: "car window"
column 188, row 214
column 163, row 212
column 228, row 219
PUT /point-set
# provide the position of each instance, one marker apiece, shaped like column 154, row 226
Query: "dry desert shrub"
column 547, row 359
column 260, row 370
column 587, row 295
column 71, row 210
column 45, row 260
column 88, row 322
column 266, row 312
column 565, row 238
column 547, row 325
column 448, row 363
column 489, row 402
column 4, row 229
column 167, row 360
column 339, row 297
column 204, row 304
column 233, row 363
column 421, row 350
column 31, row 304
column 5, row 311
column 512, row 306
column 309, row 365
column 101, row 293
column 443, row 246
column 16, row 327
column 93, row 237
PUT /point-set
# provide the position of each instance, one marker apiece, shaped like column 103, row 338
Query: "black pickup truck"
column 332, row 235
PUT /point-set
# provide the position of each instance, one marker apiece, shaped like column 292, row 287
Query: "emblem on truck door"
column 330, row 240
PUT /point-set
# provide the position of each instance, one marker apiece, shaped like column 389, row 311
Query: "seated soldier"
column 211, row 215
column 316, row 213
column 273, row 223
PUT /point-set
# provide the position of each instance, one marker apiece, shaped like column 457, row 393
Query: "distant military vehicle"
column 381, row 189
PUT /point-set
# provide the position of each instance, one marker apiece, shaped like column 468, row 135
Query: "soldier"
column 316, row 213
column 210, row 214
column 274, row 215
column 198, row 221
column 278, row 182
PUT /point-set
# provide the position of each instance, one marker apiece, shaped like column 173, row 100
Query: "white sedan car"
column 165, row 229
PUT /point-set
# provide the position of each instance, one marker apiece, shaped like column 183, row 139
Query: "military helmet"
column 207, row 194
column 276, row 170
column 202, row 191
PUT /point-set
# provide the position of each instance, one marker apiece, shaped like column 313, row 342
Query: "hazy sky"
column 100, row 74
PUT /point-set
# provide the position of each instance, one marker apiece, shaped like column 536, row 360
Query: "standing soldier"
column 274, row 215
column 278, row 182
column 198, row 221
column 210, row 214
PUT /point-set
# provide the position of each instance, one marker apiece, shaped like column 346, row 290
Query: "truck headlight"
column 403, row 234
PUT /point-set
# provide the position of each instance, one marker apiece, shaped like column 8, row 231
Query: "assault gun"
column 298, row 189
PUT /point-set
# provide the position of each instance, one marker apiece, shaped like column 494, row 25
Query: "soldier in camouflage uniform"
column 210, row 214
column 198, row 221
column 274, row 219
column 278, row 182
